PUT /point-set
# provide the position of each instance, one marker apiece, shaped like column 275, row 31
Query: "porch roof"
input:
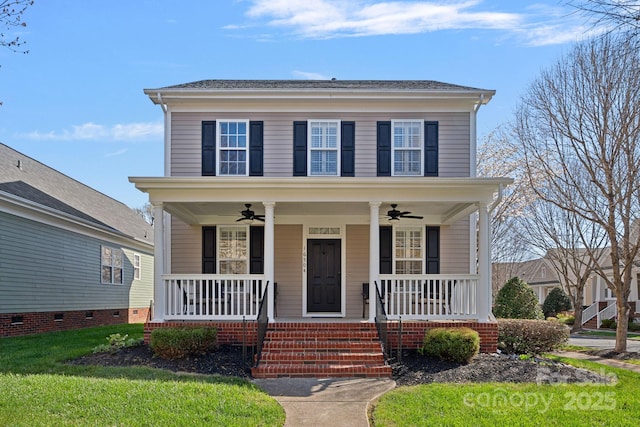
column 202, row 200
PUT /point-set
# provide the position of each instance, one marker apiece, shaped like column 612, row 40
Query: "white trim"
column 219, row 148
column 338, row 148
column 421, row 147
column 137, row 259
column 343, row 268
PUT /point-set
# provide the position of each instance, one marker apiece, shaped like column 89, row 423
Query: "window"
column 233, row 250
column 111, row 271
column 407, row 147
column 408, row 251
column 324, row 137
column 137, row 273
column 232, row 147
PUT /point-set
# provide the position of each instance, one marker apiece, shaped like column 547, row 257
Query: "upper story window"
column 111, row 265
column 232, row 147
column 407, row 147
column 324, row 147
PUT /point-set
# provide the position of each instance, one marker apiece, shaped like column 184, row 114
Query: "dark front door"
column 323, row 276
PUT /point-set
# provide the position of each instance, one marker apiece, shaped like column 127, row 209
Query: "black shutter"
column 256, row 148
column 299, row 148
column 208, row 148
column 208, row 250
column 433, row 249
column 384, row 148
column 256, row 248
column 348, row 148
column 386, row 250
column 430, row 148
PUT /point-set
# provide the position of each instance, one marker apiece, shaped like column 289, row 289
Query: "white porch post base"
column 158, row 263
column 374, row 256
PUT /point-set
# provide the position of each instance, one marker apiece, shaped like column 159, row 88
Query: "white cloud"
column 117, row 153
column 93, row 131
column 306, row 75
column 534, row 25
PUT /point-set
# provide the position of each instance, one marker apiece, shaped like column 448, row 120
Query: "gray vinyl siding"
column 357, row 268
column 454, row 145
column 44, row 268
column 186, row 248
column 454, row 248
column 288, row 269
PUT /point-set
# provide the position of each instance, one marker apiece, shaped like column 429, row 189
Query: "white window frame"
column 220, row 149
column 324, row 148
column 220, row 259
column 137, row 267
column 111, row 264
column 397, row 259
column 420, row 147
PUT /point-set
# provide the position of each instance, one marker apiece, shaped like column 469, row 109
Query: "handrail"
column 263, row 321
column 589, row 312
column 607, row 313
column 381, row 322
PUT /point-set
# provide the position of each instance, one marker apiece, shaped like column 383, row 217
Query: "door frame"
column 339, row 234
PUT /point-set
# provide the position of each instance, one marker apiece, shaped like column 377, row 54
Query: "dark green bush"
column 608, row 323
column 454, row 344
column 557, row 301
column 525, row 336
column 516, row 300
column 633, row 326
column 177, row 343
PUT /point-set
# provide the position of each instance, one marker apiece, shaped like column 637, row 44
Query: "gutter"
column 497, row 201
column 479, row 103
column 161, row 102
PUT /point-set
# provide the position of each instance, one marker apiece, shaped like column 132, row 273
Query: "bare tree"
column 611, row 14
column 583, row 114
column 498, row 156
column 11, row 13
column 571, row 244
column 146, row 212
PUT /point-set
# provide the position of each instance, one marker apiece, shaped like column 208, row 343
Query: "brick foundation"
column 17, row 324
column 231, row 332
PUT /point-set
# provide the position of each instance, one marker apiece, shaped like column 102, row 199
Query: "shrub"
column 116, row 342
column 608, row 323
column 524, row 336
column 177, row 343
column 516, row 300
column 454, row 344
column 556, row 302
column 633, row 326
column 567, row 319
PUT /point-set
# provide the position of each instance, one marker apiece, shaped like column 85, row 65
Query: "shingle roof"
column 425, row 85
column 38, row 183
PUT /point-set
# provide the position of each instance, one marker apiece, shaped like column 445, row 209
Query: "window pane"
column 106, row 274
column 117, row 258
column 106, row 255
column 117, row 276
column 407, row 162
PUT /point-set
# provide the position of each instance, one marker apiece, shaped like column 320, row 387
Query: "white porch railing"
column 429, row 296
column 607, row 313
column 589, row 313
column 212, row 296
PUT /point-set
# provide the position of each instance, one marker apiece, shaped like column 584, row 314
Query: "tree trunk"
column 577, row 309
column 622, row 325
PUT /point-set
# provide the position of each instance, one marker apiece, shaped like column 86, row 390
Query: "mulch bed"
column 412, row 369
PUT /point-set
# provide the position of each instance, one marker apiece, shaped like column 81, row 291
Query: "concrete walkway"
column 601, row 360
column 331, row 402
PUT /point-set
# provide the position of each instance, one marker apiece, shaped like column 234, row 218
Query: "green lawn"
column 500, row 404
column 38, row 389
column 630, row 335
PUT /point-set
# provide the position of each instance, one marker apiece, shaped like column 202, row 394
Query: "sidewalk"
column 331, row 402
column 602, row 360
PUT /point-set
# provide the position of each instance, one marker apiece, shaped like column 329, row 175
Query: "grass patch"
column 630, row 335
column 514, row 404
column 39, row 389
column 571, row 347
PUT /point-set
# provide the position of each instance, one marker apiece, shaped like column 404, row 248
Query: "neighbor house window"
column 324, row 137
column 407, row 145
column 111, row 265
column 408, row 251
column 233, row 250
column 137, row 273
column 232, row 147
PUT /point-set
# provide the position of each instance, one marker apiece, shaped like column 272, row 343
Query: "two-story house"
column 334, row 202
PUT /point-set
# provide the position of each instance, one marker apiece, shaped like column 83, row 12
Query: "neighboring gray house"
column 333, row 190
column 70, row 257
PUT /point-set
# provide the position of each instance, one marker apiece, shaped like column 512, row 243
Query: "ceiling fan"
column 395, row 215
column 249, row 215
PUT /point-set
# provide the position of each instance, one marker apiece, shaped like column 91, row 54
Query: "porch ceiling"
column 206, row 200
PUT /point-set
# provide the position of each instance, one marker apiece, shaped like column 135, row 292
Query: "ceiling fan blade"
column 258, row 218
column 411, row 216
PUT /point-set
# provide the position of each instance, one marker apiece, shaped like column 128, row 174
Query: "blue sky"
column 75, row 102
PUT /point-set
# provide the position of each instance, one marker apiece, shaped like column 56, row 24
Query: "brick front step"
column 321, row 350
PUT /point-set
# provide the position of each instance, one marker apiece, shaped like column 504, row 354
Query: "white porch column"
column 158, row 263
column 269, row 258
column 483, row 291
column 374, row 256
